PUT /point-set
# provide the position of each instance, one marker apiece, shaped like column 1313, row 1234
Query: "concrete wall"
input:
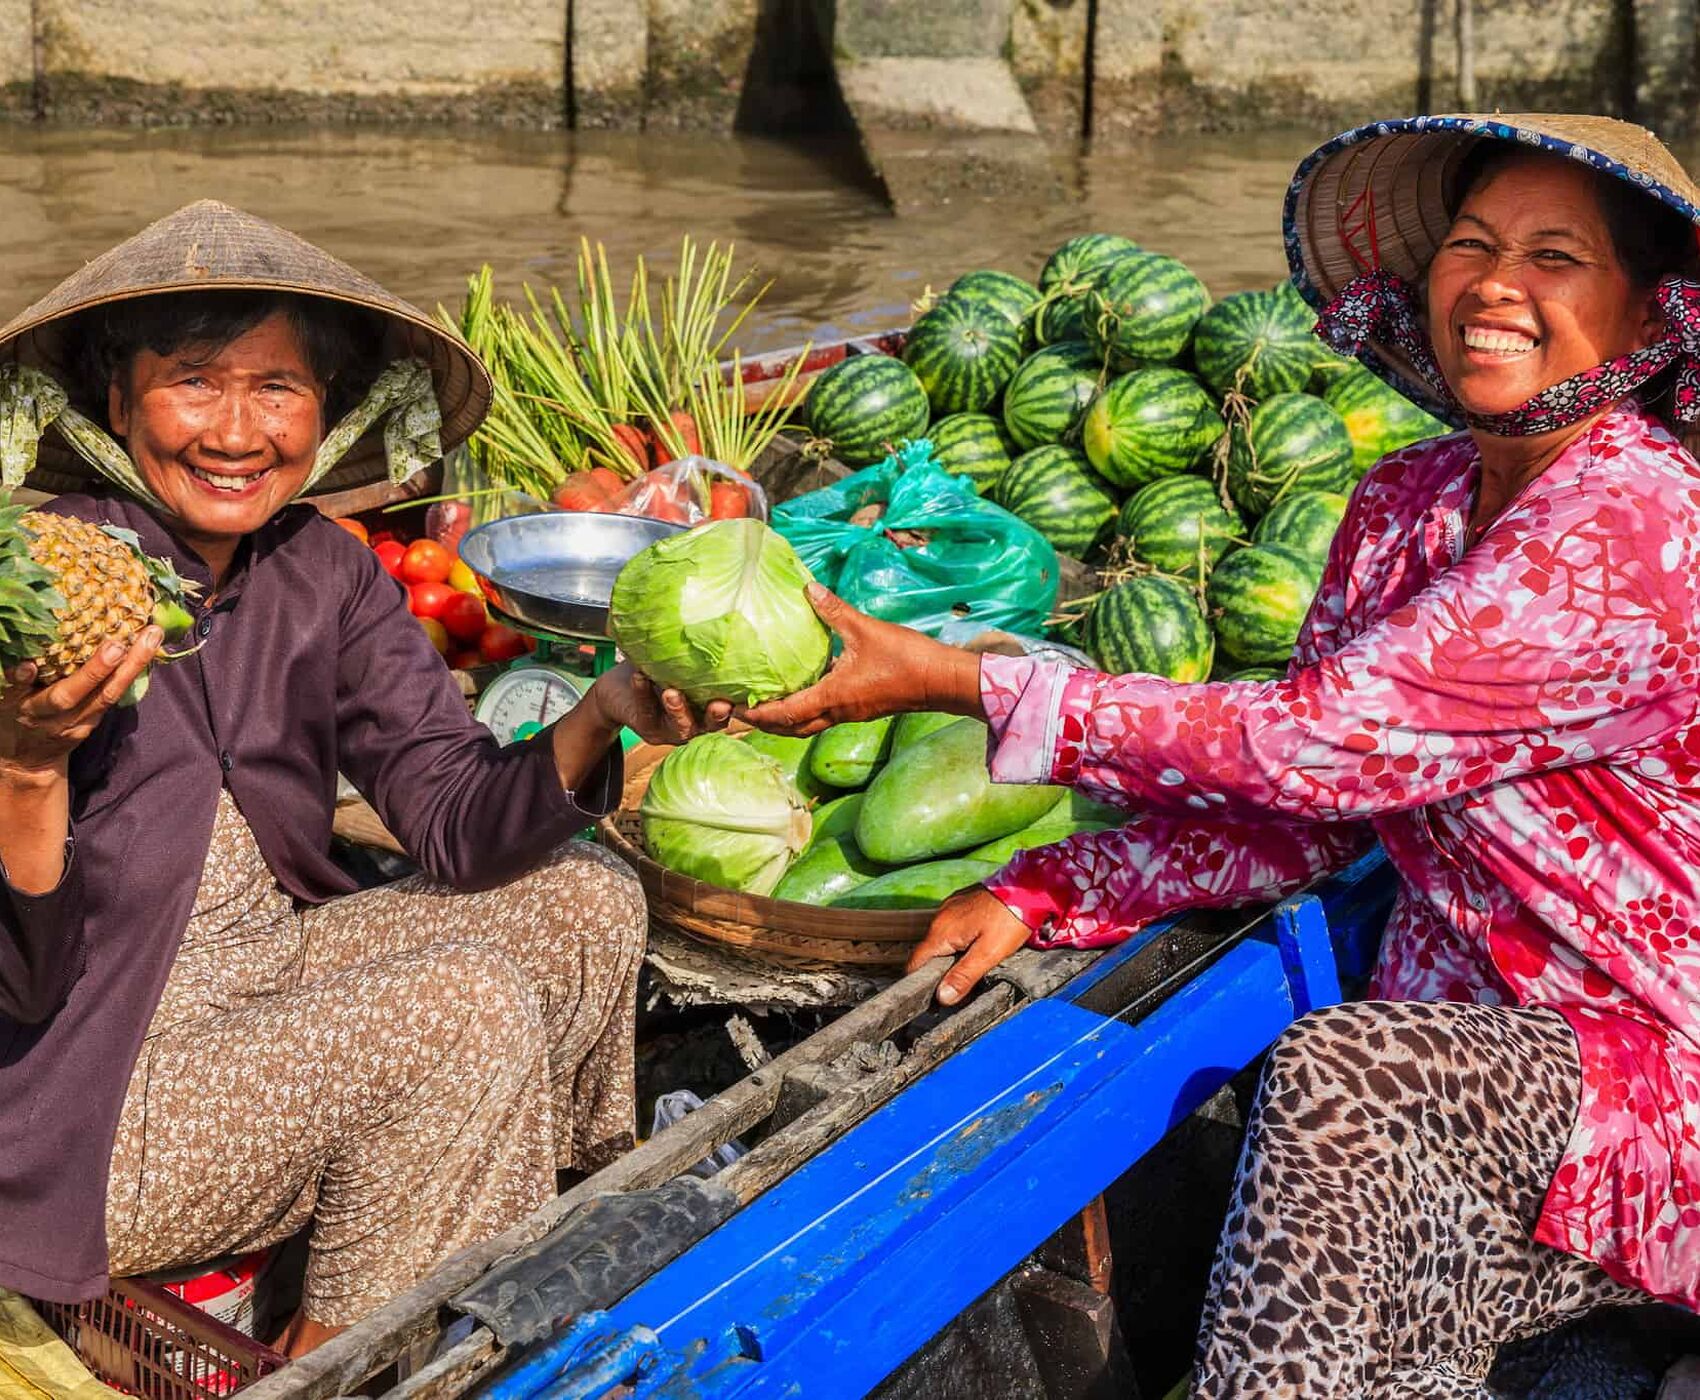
column 1156, row 64
column 17, row 62
column 1227, row 63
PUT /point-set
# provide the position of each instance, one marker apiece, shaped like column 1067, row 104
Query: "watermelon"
column 1144, row 310
column 1257, row 343
column 1179, row 525
column 963, row 351
column 1078, row 261
column 1258, row 599
column 974, row 445
column 1329, row 370
column 1050, row 394
column 1151, row 624
column 1015, row 297
column 1150, row 424
column 1257, row 675
column 1379, row 419
column 864, row 406
column 1055, row 490
column 1305, row 522
column 1294, row 442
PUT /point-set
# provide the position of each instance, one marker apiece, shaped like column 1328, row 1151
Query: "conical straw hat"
column 1379, row 195
column 208, row 246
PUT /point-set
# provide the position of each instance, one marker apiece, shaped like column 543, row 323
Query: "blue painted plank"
column 1307, row 957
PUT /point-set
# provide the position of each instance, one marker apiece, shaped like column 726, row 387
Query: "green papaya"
column 792, row 756
column 936, row 798
column 917, row 887
column 1043, row 832
column 1078, row 807
column 837, row 817
column 918, row 725
column 826, row 870
column 847, row 755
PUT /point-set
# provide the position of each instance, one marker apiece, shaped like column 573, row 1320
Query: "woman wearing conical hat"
column 208, row 1042
column 1499, row 680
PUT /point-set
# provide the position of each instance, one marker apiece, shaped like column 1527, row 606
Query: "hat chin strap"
column 1381, row 306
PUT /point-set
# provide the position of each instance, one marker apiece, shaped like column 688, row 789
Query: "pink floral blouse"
column 1516, row 722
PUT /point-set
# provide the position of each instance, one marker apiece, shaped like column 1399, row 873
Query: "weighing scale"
column 551, row 576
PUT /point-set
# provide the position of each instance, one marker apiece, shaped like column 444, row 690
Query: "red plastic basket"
column 145, row 1341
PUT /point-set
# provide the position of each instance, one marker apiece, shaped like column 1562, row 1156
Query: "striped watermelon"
column 1257, row 675
column 1258, row 599
column 1179, row 525
column 1015, row 297
column 1257, row 343
column 1153, row 625
column 1304, row 521
column 1055, row 490
column 973, row 445
column 1294, row 442
column 1379, row 419
column 1144, row 311
column 864, row 406
column 1149, row 424
column 963, row 351
column 1050, row 394
column 1329, row 370
column 1078, row 261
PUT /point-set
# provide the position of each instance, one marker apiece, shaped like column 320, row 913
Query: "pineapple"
column 67, row 585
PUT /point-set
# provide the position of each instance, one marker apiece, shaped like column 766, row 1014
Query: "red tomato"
column 465, row 659
column 429, row 599
column 390, row 555
column 355, row 528
column 439, row 637
column 499, row 643
column 426, row 561
column 378, row 537
column 464, row 616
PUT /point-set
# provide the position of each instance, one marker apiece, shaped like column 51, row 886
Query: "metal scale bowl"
column 551, row 576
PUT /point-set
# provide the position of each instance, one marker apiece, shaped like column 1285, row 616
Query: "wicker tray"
column 772, row 929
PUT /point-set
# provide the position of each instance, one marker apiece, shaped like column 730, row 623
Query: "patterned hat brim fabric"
column 208, row 246
column 1377, row 196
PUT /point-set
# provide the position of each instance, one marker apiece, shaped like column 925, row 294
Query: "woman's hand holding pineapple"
column 39, row 727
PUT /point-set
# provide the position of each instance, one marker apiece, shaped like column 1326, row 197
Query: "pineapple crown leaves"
column 28, row 600
column 167, row 583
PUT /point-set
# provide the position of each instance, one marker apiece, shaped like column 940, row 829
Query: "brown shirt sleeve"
column 42, row 946
column 472, row 813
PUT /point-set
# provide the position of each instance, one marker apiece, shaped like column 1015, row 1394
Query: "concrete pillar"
column 699, row 52
column 490, row 60
column 936, row 29
column 1047, row 50
column 17, row 61
column 610, row 61
column 1667, row 51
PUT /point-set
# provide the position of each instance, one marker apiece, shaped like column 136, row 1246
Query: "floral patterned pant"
column 403, row 1069
column 1378, row 1240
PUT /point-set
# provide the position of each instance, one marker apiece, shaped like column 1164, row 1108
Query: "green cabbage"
column 721, row 812
column 719, row 613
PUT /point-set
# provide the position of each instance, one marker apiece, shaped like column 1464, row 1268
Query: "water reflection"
column 418, row 209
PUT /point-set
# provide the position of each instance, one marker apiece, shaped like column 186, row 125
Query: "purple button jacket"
column 311, row 665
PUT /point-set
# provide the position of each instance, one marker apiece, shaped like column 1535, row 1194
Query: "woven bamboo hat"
column 1378, row 197
column 208, row 246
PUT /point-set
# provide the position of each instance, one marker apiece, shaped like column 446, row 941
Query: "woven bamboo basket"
column 773, row 930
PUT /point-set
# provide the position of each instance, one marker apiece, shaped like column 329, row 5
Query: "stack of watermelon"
column 1208, row 448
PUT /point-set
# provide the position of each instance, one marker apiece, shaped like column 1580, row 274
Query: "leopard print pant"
column 1378, row 1240
column 403, row 1069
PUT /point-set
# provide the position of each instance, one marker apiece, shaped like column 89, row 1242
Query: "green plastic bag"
column 923, row 549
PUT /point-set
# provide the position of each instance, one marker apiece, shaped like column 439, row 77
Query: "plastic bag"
column 691, row 490
column 671, row 1108
column 476, row 501
column 908, row 542
column 975, row 637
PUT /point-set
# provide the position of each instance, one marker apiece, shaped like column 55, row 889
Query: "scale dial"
column 526, row 698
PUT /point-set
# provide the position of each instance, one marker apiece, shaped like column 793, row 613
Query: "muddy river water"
column 419, row 209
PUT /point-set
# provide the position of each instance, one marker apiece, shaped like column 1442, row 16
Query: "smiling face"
column 223, row 437
column 1527, row 289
